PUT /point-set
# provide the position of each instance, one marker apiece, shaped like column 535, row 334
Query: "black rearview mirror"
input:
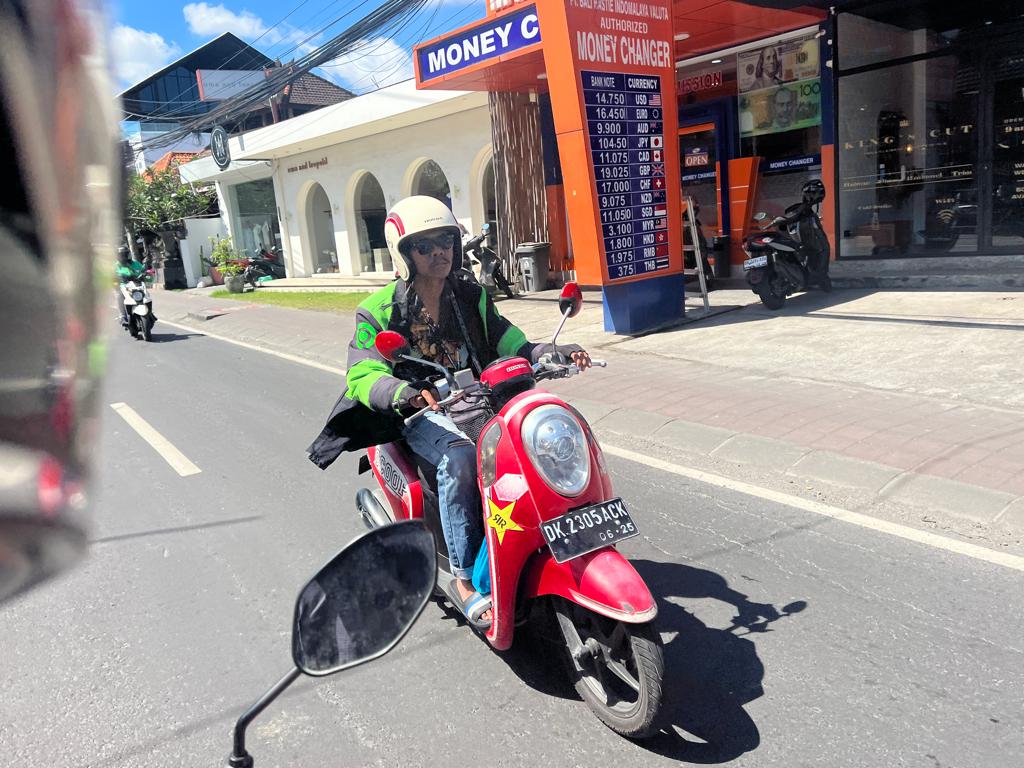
column 363, row 601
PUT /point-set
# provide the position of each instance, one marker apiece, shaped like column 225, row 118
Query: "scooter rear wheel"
column 617, row 668
column 771, row 296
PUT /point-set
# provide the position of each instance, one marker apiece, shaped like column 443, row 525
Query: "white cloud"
column 137, row 54
column 211, row 20
column 372, row 64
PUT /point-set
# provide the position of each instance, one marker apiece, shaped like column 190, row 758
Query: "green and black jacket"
column 369, row 413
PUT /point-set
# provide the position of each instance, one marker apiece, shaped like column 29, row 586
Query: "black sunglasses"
column 426, row 245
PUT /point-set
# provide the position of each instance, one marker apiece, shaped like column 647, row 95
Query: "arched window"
column 430, row 180
column 320, row 222
column 371, row 210
column 489, row 193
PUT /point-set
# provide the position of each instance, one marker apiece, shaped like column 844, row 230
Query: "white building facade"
column 335, row 173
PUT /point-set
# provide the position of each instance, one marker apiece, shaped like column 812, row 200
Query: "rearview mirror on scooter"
column 356, row 609
column 570, row 300
column 391, row 345
column 760, row 216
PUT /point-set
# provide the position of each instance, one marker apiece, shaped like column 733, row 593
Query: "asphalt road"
column 893, row 653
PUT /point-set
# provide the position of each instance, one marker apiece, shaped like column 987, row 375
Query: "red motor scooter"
column 551, row 521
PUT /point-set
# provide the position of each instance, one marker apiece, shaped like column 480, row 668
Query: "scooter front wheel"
column 617, row 668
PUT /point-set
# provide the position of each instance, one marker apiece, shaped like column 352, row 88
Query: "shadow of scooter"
column 710, row 673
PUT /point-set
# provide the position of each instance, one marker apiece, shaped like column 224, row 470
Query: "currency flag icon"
column 659, row 183
column 657, row 155
column 659, row 197
column 655, row 100
column 658, row 169
column 660, row 210
column 657, row 142
column 660, row 223
column 662, row 237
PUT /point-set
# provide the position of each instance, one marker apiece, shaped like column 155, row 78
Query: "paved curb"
column 874, row 482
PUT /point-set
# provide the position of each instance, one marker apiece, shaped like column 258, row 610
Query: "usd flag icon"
column 655, row 100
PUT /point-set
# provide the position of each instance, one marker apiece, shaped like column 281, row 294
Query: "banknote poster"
column 780, row 108
column 776, row 64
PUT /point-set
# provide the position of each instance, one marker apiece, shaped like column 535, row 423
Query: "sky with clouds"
column 145, row 35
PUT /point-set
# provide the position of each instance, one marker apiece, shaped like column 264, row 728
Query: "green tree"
column 159, row 201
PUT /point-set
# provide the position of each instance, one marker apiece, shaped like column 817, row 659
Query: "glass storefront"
column 763, row 100
column 255, row 217
column 929, row 146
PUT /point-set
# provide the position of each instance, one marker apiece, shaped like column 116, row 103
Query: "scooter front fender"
column 604, row 582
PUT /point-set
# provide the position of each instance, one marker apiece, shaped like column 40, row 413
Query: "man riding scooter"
column 448, row 321
column 127, row 268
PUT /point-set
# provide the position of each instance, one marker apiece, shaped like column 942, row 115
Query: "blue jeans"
column 436, row 438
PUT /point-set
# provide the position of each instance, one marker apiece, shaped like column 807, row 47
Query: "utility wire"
column 383, row 17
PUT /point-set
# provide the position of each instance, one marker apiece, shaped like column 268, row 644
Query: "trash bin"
column 720, row 255
column 533, row 266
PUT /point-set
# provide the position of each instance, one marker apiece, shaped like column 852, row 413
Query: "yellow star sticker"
column 501, row 520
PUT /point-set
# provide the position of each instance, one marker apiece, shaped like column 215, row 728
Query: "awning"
column 497, row 53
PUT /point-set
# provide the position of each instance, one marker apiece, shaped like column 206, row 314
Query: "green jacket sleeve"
column 369, row 378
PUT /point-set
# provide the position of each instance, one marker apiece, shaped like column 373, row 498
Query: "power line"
column 384, row 17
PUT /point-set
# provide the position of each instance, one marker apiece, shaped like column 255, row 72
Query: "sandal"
column 473, row 607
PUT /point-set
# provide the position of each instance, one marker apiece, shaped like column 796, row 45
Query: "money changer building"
column 606, row 114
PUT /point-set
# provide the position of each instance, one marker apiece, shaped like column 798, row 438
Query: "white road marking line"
column 178, row 461
column 884, row 526
column 257, row 348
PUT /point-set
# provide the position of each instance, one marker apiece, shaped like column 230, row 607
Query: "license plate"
column 756, row 262
column 584, row 530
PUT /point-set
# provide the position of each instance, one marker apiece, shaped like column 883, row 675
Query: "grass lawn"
column 322, row 301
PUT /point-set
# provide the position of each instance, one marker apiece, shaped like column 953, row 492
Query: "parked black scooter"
column 265, row 263
column 484, row 265
column 791, row 253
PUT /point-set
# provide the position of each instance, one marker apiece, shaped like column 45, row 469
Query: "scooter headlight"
column 556, row 445
column 138, row 295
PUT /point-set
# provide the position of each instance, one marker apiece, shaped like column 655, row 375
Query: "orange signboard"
column 613, row 99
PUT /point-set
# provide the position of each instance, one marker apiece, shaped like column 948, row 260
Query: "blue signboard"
column 502, row 35
column 627, row 146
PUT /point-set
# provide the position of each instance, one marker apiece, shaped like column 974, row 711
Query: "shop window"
column 1007, row 197
column 864, row 41
column 256, row 219
column 431, row 181
column 371, row 210
column 908, row 159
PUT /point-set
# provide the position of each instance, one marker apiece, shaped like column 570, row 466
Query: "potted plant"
column 229, row 263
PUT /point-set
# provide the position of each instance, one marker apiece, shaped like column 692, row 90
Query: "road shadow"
column 163, row 338
column 710, row 673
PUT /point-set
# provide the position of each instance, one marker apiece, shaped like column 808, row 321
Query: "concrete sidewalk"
column 903, row 405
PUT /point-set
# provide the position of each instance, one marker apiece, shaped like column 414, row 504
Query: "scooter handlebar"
column 442, row 403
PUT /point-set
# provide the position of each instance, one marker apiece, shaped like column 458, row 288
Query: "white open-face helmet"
column 413, row 216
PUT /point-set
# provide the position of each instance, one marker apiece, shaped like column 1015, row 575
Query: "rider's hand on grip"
column 424, row 400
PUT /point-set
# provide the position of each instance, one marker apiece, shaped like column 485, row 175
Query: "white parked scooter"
column 138, row 307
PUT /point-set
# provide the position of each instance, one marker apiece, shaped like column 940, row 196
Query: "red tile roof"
column 308, row 89
column 172, row 159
